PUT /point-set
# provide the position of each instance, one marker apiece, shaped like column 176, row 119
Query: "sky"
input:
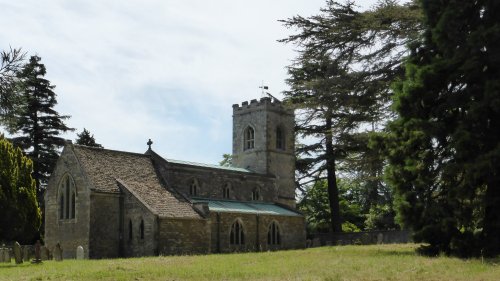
column 166, row 70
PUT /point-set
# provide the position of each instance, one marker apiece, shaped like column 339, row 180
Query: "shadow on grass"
column 25, row 264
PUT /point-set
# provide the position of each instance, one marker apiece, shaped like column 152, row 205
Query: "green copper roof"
column 208, row 166
column 260, row 208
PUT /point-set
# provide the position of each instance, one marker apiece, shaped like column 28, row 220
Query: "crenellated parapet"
column 267, row 103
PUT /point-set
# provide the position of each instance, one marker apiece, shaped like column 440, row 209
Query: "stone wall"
column 265, row 117
column 134, row 212
column 363, row 237
column 104, row 236
column 70, row 233
column 183, row 236
column 211, row 182
column 292, row 232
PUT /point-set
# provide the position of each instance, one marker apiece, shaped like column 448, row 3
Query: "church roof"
column 202, row 165
column 260, row 208
column 137, row 174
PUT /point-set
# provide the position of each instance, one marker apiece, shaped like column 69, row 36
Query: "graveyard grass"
column 375, row 262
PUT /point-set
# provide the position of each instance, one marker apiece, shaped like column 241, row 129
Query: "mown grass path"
column 377, row 262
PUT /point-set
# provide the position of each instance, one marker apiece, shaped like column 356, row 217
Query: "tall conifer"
column 445, row 149
column 37, row 122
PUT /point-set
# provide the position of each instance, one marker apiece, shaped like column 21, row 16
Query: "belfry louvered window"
column 249, row 138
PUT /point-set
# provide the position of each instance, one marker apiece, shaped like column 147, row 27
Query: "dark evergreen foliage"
column 21, row 217
column 11, row 63
column 445, row 144
column 36, row 123
column 340, row 86
column 85, row 138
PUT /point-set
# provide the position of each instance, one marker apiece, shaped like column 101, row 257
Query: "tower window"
column 273, row 234
column 249, row 139
column 237, row 236
column 193, row 188
column 280, row 139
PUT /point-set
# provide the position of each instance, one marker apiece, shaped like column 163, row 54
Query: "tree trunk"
column 333, row 190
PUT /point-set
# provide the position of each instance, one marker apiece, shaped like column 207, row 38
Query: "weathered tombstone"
column 58, row 252
column 1, row 254
column 6, row 255
column 380, row 238
column 17, row 253
column 79, row 253
column 26, row 253
column 38, row 253
column 45, row 253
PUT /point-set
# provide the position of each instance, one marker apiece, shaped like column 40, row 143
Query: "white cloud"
column 166, row 70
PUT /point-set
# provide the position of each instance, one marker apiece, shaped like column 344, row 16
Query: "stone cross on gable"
column 150, row 142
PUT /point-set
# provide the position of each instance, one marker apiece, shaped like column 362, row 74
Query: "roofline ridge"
column 110, row 150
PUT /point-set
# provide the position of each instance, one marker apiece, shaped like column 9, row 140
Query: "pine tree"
column 339, row 84
column 85, row 138
column 445, row 145
column 21, row 217
column 10, row 64
column 38, row 124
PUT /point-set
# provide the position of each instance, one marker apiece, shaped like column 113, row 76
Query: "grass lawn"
column 377, row 262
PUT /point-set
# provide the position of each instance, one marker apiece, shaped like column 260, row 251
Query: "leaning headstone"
column 79, row 253
column 58, row 252
column 26, row 253
column 38, row 253
column 17, row 253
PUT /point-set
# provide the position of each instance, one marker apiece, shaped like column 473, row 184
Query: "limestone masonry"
column 123, row 204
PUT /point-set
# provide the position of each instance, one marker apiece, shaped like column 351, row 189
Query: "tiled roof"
column 235, row 169
column 135, row 172
column 260, row 208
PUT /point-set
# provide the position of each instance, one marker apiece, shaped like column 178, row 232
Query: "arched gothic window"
column 249, row 138
column 237, row 235
column 141, row 228
column 280, row 138
column 226, row 191
column 273, row 234
column 193, row 188
column 67, row 198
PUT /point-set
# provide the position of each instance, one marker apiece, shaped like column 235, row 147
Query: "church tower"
column 263, row 142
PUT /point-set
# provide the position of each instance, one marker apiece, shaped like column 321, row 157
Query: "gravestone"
column 6, row 255
column 58, row 252
column 45, row 253
column 79, row 253
column 380, row 238
column 26, row 253
column 1, row 254
column 38, row 253
column 17, row 253
column 316, row 242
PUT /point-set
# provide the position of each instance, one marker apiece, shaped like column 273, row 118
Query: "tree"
column 37, row 122
column 21, row 217
column 85, row 138
column 227, row 160
column 444, row 147
column 10, row 64
column 339, row 83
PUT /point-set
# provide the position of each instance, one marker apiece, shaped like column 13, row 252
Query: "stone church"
column 124, row 204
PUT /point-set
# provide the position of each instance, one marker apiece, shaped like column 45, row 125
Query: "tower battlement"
column 265, row 102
